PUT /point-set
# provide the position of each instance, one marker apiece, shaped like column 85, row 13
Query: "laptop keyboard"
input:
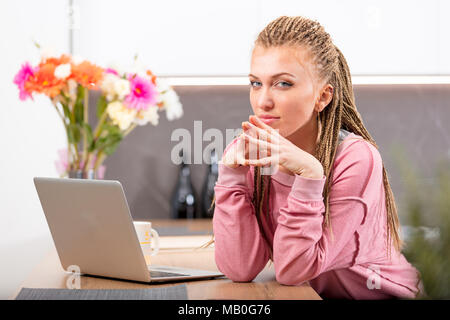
column 159, row 274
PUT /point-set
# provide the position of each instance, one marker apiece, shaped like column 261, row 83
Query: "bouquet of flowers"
column 127, row 100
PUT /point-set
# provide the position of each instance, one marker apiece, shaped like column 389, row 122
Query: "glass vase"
column 80, row 174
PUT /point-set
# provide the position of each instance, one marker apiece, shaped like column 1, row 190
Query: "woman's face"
column 283, row 86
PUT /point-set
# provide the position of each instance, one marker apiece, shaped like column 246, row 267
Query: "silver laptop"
column 92, row 228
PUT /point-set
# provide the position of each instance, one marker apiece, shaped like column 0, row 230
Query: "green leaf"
column 66, row 98
column 109, row 143
column 66, row 111
column 112, row 129
column 89, row 135
column 80, row 92
column 73, row 133
column 78, row 108
column 78, row 111
column 101, row 106
column 112, row 147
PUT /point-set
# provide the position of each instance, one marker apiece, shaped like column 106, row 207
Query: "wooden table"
column 50, row 274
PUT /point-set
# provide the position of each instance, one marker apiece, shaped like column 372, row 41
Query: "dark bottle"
column 208, row 187
column 183, row 200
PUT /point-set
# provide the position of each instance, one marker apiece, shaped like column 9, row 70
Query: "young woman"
column 327, row 215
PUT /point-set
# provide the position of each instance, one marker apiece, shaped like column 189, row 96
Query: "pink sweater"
column 354, row 264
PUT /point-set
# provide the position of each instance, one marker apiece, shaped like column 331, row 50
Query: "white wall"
column 197, row 37
column 31, row 134
column 204, row 37
column 401, row 37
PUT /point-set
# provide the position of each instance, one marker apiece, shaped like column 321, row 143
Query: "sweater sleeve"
column 240, row 250
column 303, row 248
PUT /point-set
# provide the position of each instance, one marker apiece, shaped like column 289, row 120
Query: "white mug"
column 147, row 235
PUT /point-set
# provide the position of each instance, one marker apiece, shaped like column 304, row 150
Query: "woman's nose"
column 265, row 100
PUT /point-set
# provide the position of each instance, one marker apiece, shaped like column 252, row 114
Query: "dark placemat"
column 178, row 292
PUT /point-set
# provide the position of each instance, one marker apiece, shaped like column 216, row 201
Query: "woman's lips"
column 269, row 120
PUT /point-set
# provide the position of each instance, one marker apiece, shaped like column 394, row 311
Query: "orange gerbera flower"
column 44, row 81
column 56, row 61
column 87, row 74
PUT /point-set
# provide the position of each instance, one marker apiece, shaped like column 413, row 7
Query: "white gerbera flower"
column 172, row 105
column 107, row 86
column 63, row 71
column 121, row 88
column 145, row 116
column 120, row 115
column 115, row 87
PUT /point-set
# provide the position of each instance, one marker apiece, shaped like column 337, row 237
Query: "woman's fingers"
column 253, row 144
column 235, row 154
column 260, row 124
column 265, row 154
column 262, row 134
column 258, row 146
column 268, row 161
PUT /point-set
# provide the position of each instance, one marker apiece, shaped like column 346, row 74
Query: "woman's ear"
column 325, row 98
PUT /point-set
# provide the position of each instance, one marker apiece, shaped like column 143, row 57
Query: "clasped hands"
column 262, row 146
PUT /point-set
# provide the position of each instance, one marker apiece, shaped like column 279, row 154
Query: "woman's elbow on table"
column 235, row 270
column 239, row 275
column 287, row 280
column 239, row 266
column 292, row 275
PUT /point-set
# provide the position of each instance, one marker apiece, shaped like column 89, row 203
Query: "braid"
column 255, row 190
column 261, row 201
column 258, row 198
column 267, row 200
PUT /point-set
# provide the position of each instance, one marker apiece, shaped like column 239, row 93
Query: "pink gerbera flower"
column 142, row 93
column 21, row 77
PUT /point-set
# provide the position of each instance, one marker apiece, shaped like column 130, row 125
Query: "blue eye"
column 255, row 83
column 285, row 84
